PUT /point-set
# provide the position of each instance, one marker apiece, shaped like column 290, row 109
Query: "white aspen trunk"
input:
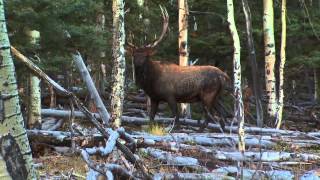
column 269, row 50
column 316, row 84
column 183, row 46
column 101, row 81
column 117, row 93
column 237, row 75
column 282, row 63
column 104, row 77
column 34, row 108
column 15, row 149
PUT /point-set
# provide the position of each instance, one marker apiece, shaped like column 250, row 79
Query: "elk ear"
column 129, row 50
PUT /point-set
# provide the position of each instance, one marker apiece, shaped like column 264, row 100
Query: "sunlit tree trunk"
column 34, row 108
column 282, row 63
column 316, row 85
column 269, row 50
column 117, row 93
column 101, row 80
column 237, row 75
column 183, row 46
column 253, row 63
column 15, row 152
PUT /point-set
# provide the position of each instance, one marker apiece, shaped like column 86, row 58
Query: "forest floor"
column 62, row 164
column 185, row 153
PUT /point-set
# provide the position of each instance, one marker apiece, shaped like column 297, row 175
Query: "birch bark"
column 282, row 63
column 15, row 153
column 237, row 75
column 183, row 46
column 270, row 58
column 118, row 53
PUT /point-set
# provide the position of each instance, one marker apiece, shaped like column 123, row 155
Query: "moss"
column 282, row 146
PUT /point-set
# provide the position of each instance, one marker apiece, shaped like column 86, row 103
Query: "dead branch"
column 38, row 72
column 110, row 144
column 104, row 168
column 171, row 159
column 91, row 87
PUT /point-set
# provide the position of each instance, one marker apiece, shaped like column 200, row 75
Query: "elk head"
column 142, row 53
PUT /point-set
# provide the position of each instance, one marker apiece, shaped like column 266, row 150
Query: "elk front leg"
column 174, row 109
column 153, row 110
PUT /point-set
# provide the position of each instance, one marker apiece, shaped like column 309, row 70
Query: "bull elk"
column 171, row 83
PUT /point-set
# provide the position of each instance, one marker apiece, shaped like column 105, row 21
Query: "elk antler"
column 130, row 44
column 165, row 18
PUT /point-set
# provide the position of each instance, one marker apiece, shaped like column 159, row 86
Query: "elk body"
column 171, row 83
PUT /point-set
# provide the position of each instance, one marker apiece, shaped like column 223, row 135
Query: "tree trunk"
column 237, row 75
column 91, row 87
column 101, row 83
column 34, row 108
column 183, row 46
column 253, row 63
column 53, row 98
column 15, row 153
column 117, row 92
column 316, row 85
column 282, row 63
column 269, row 49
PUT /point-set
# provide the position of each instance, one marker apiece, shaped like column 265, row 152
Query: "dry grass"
column 57, row 164
column 156, row 129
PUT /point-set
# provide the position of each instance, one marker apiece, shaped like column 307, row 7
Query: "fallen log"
column 204, row 140
column 216, row 139
column 311, row 175
column 136, row 98
column 61, row 138
column 171, row 159
column 269, row 156
column 256, row 174
column 191, row 176
column 191, row 122
column 147, row 140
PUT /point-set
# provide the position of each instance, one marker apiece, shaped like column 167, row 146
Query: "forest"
column 154, row 89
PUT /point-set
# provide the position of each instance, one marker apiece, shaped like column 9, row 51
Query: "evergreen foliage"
column 209, row 37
